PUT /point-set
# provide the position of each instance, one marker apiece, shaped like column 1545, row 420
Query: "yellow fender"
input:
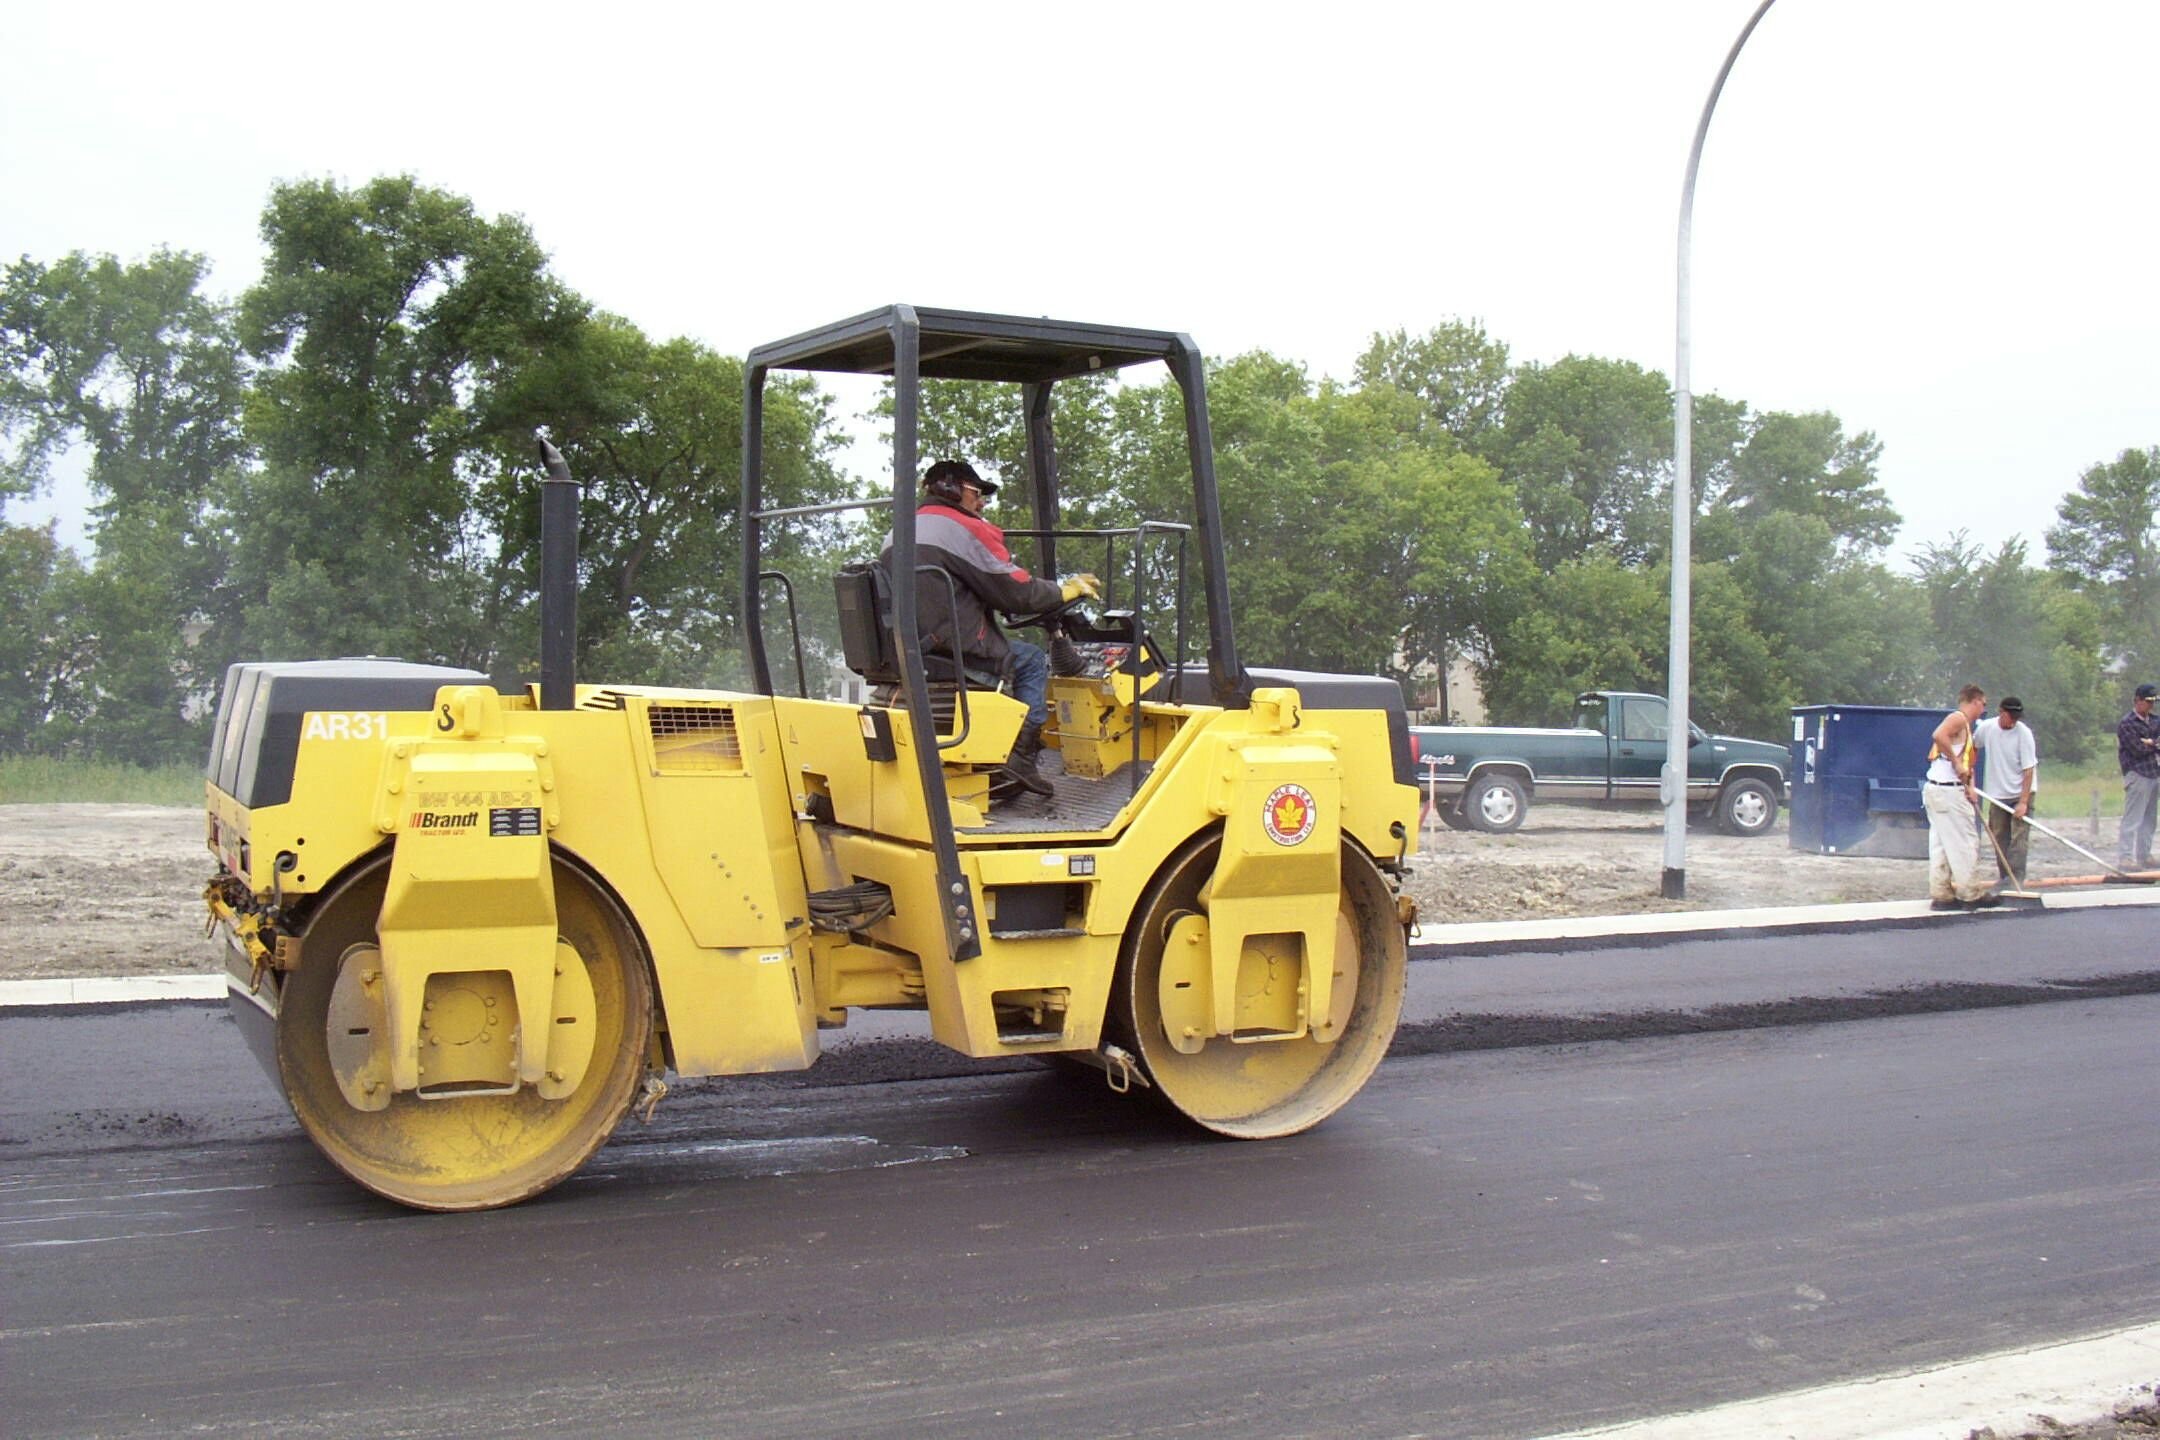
column 476, row 993
column 1260, row 964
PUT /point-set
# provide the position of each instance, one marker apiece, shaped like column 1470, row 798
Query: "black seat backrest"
column 865, row 600
column 864, row 595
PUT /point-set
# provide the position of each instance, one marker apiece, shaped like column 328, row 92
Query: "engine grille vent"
column 694, row 740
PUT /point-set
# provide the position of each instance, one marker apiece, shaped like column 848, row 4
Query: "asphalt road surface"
column 1746, row 1166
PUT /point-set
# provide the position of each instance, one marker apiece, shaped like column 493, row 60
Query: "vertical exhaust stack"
column 558, row 581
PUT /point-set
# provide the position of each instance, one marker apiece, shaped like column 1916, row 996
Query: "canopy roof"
column 964, row 345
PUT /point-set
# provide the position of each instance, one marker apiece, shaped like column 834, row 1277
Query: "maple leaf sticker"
column 1288, row 815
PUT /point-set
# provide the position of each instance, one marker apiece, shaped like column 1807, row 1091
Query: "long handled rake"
column 2113, row 869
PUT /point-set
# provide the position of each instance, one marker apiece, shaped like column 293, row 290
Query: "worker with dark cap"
column 2137, row 750
column 2009, row 765
column 951, row 533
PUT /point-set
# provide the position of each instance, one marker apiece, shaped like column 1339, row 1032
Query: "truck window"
column 1643, row 720
column 1590, row 713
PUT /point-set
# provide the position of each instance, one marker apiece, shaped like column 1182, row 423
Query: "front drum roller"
column 470, row 1152
column 1256, row 1091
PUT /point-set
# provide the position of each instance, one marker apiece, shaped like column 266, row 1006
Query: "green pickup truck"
column 1480, row 778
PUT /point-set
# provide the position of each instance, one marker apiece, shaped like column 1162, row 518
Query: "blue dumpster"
column 1856, row 774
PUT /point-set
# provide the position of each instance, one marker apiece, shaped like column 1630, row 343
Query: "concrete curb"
column 111, row 990
column 2011, row 1393
column 1431, row 940
column 1655, row 926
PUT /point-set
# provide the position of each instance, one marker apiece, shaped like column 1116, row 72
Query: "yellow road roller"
column 468, row 928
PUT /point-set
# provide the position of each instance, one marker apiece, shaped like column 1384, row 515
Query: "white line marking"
column 108, row 1239
column 49, row 1332
column 2070, row 1383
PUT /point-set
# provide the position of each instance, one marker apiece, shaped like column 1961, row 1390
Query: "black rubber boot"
column 1019, row 766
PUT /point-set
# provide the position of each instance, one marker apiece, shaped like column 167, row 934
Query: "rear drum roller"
column 480, row 1151
column 1256, row 1091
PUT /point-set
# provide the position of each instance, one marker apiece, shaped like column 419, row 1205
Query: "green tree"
column 1787, row 622
column 1453, row 381
column 1806, row 465
column 1111, row 438
column 1353, row 541
column 2106, row 544
column 1835, row 626
column 397, row 330
column 135, row 365
column 653, row 431
column 985, row 424
column 1466, row 558
column 1998, row 622
column 1735, row 685
column 45, row 656
column 1588, row 449
column 1596, row 624
column 1270, row 467
column 1352, row 548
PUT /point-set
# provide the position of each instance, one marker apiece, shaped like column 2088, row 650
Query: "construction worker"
column 951, row 533
column 2009, row 762
column 1954, row 881
column 2137, row 750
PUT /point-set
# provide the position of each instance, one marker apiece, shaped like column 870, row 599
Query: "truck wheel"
column 1279, row 1087
column 1747, row 807
column 485, row 1150
column 1496, row 804
column 1451, row 815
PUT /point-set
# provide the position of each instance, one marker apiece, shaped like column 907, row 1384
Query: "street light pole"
column 1672, row 781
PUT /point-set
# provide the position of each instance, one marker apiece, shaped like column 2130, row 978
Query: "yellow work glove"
column 1076, row 586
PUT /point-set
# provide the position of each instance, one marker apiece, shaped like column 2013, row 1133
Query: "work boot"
column 1019, row 766
column 1065, row 657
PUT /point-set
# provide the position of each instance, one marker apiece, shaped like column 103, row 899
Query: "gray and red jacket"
column 985, row 581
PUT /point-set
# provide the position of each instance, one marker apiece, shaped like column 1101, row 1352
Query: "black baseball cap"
column 955, row 473
column 2147, row 692
column 2011, row 705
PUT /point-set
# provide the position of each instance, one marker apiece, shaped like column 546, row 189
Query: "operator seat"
column 864, row 596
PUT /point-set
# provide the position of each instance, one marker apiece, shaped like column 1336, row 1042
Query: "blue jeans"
column 1031, row 679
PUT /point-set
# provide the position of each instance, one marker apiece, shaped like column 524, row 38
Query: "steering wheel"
column 1042, row 618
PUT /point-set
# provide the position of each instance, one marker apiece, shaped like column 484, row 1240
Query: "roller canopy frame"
column 912, row 344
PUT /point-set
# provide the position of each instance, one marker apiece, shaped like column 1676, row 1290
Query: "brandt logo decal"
column 440, row 823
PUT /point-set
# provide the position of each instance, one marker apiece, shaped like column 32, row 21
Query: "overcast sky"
column 1935, row 219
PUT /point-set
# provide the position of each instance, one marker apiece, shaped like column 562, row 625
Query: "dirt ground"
column 2135, row 1421
column 91, row 890
column 102, row 890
